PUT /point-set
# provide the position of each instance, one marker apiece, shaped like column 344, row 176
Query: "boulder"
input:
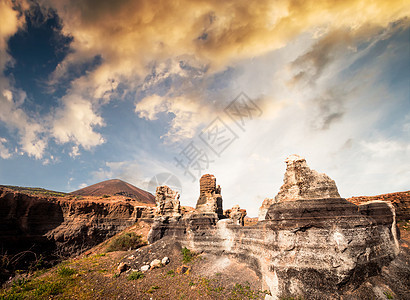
column 165, row 260
column 145, row 268
column 156, row 263
column 122, row 267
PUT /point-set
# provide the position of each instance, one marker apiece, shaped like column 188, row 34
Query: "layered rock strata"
column 62, row 225
column 400, row 201
column 309, row 246
column 210, row 199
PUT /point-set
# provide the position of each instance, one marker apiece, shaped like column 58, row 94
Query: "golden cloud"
column 130, row 34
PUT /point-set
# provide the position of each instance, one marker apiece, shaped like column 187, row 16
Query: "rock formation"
column 167, row 202
column 210, row 199
column 300, row 182
column 312, row 244
column 236, row 214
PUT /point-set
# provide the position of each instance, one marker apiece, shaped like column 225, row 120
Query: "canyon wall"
column 308, row 246
column 62, row 226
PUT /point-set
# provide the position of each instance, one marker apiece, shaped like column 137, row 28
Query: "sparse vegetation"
column 240, row 291
column 34, row 191
column 135, row 275
column 171, row 273
column 388, row 295
column 106, row 196
column 152, row 289
column 128, row 240
column 187, row 255
column 66, row 271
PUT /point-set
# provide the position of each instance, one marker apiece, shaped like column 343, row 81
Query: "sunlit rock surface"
column 302, row 183
column 312, row 244
column 167, row 202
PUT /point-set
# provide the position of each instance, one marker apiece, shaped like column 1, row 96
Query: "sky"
column 145, row 90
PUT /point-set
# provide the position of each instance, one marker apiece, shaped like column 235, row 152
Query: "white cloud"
column 75, row 122
column 74, row 151
column 4, row 152
column 188, row 114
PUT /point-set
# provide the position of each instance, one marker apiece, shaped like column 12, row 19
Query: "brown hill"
column 116, row 187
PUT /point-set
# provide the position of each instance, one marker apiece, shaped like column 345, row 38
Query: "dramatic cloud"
column 141, row 79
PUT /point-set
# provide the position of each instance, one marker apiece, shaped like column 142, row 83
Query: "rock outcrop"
column 400, row 201
column 313, row 244
column 301, row 183
column 167, row 202
column 210, row 199
column 236, row 214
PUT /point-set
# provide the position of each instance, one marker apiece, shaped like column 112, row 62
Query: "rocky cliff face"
column 313, row 244
column 62, row 225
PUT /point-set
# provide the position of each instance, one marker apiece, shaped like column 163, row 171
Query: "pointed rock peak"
column 302, row 183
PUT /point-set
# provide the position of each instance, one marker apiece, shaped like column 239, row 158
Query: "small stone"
column 122, row 267
column 131, row 257
column 145, row 268
column 156, row 263
column 165, row 260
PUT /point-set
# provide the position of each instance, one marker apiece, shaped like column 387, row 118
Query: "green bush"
column 135, row 275
column 187, row 255
column 125, row 241
column 66, row 271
